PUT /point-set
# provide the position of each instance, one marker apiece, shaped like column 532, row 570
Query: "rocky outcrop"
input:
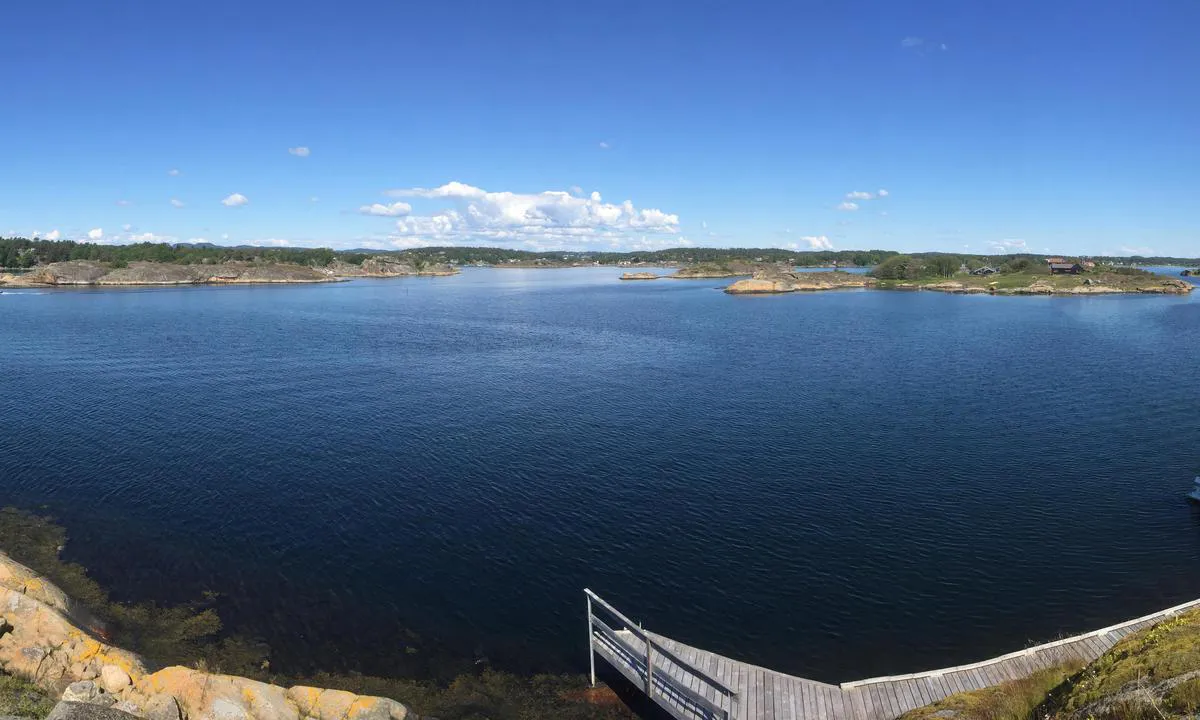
column 639, row 276
column 46, row 639
column 694, row 272
column 773, row 282
column 388, row 266
column 89, row 273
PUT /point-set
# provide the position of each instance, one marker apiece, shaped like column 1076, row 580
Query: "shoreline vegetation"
column 62, row 633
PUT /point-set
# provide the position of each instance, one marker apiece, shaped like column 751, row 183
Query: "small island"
column 773, row 281
column 952, row 274
column 639, row 276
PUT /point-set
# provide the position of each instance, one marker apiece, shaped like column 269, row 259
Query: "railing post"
column 649, row 670
column 591, row 640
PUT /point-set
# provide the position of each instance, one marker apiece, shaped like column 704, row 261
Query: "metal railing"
column 659, row 683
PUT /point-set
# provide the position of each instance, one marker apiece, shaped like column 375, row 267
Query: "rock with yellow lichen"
column 49, row 640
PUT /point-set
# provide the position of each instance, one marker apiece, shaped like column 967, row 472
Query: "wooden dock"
column 692, row 683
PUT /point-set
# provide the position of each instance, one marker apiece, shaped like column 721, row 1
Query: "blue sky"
column 1068, row 126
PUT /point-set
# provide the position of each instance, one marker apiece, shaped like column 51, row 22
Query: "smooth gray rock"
column 162, row 707
column 86, row 691
column 87, row 711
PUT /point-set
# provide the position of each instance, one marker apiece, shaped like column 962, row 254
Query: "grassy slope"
column 1151, row 675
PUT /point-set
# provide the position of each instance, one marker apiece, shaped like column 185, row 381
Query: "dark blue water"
column 835, row 485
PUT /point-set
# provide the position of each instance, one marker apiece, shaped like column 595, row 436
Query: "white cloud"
column 1009, row 245
column 604, row 145
column 175, row 202
column 300, row 151
column 124, row 203
column 551, row 219
column 882, row 193
column 126, row 227
column 95, row 233
column 811, row 242
column 197, row 240
column 224, row 236
column 272, row 242
column 314, row 199
column 396, row 209
column 864, row 195
column 576, row 190
column 911, row 41
column 53, row 235
column 848, row 206
column 173, row 172
column 235, row 200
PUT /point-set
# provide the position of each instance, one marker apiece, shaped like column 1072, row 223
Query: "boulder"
column 67, row 710
column 86, row 691
column 162, row 707
column 113, row 679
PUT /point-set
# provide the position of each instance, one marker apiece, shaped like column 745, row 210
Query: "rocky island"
column 1022, row 276
column 769, row 282
column 714, row 270
column 639, row 276
column 83, row 273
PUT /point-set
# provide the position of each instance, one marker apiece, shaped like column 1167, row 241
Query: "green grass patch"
column 23, row 699
column 1014, row 700
column 1167, row 650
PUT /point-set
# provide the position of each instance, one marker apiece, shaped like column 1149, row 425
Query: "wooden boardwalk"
column 692, row 683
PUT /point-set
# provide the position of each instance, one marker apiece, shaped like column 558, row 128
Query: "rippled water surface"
column 835, row 485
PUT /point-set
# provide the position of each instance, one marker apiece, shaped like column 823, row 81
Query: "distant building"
column 1065, row 268
column 1089, row 265
column 985, row 270
column 1055, row 260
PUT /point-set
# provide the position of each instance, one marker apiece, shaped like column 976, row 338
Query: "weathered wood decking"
column 692, row 683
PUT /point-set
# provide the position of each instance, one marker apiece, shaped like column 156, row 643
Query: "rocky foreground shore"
column 84, row 273
column 49, row 640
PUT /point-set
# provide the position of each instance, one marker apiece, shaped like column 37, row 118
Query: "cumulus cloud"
column 881, row 193
column 848, row 206
column 175, row 202
column 235, row 200
column 1009, row 245
column 396, row 209
column 604, row 145
column 272, row 242
column 95, row 233
column 53, row 235
column 811, row 242
column 300, row 151
column 553, row 218
column 173, row 172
